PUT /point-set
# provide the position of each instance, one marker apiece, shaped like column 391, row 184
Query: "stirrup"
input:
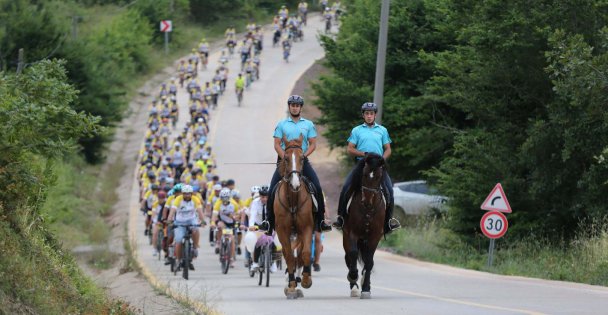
column 324, row 227
column 339, row 224
column 393, row 224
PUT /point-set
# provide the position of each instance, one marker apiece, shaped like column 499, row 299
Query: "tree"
column 37, row 124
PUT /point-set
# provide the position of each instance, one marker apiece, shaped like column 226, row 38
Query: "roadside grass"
column 583, row 260
column 38, row 277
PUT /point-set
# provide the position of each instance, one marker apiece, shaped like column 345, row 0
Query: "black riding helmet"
column 264, row 190
column 295, row 99
column 369, row 106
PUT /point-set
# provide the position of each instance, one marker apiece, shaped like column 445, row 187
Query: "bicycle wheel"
column 159, row 242
column 251, row 272
column 187, row 258
column 262, row 261
column 268, row 262
column 225, row 256
column 150, row 234
column 226, row 265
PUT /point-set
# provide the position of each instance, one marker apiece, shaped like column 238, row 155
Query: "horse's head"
column 292, row 164
column 372, row 178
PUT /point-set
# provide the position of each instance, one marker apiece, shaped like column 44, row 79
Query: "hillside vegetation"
column 83, row 60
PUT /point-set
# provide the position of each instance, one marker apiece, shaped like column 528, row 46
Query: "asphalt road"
column 399, row 285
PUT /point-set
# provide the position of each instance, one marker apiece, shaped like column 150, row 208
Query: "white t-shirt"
column 256, row 212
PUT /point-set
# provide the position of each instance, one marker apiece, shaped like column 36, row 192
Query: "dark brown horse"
column 294, row 217
column 363, row 226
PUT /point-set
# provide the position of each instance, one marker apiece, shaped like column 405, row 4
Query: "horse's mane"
column 374, row 161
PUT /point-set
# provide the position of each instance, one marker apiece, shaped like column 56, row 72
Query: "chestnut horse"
column 364, row 224
column 293, row 210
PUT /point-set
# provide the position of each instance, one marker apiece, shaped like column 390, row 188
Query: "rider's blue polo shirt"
column 369, row 139
column 292, row 130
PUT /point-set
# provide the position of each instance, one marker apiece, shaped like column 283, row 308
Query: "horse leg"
column 350, row 257
column 306, row 254
column 290, row 289
column 367, row 254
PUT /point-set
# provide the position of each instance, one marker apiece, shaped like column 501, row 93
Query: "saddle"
column 351, row 194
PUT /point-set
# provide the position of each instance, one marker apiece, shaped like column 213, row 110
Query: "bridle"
column 374, row 191
column 293, row 171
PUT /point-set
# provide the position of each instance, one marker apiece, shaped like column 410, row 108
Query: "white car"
column 416, row 198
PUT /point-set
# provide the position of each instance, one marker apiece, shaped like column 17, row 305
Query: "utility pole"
column 21, row 61
column 381, row 59
column 75, row 19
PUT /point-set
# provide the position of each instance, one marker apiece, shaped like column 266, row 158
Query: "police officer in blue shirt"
column 292, row 127
column 368, row 137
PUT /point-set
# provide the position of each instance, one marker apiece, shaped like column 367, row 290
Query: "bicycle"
column 226, row 249
column 187, row 251
column 239, row 96
column 160, row 236
column 265, row 261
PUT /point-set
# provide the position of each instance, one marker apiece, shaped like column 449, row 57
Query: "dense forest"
column 480, row 92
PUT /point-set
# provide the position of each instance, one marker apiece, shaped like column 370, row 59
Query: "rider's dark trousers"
column 354, row 180
column 309, row 172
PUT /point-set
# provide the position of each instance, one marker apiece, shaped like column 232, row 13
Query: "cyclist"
column 187, row 211
column 213, row 197
column 239, row 86
column 327, row 16
column 230, row 31
column 203, row 50
column 236, row 196
column 157, row 213
column 224, row 214
column 150, row 197
column 257, row 218
column 303, row 10
column 254, row 194
column 283, row 14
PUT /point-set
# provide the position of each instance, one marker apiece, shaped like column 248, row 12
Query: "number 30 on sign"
column 494, row 224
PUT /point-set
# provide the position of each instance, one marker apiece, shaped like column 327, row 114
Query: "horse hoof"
column 355, row 292
column 366, row 295
column 300, row 293
column 306, row 282
column 290, row 293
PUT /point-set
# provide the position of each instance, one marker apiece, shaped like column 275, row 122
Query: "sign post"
column 494, row 223
column 166, row 26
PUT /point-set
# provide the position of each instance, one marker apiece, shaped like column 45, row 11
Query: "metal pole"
column 20, row 62
column 381, row 59
column 74, row 26
column 491, row 253
column 166, row 43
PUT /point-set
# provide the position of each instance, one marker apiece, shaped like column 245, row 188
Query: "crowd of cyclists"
column 179, row 188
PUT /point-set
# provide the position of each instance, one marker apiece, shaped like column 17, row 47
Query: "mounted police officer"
column 364, row 138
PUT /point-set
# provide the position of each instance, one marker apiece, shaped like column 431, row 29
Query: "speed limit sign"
column 494, row 224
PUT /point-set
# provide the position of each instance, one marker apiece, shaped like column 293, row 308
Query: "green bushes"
column 38, row 126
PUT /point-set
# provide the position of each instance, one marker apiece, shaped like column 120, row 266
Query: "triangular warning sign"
column 497, row 200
